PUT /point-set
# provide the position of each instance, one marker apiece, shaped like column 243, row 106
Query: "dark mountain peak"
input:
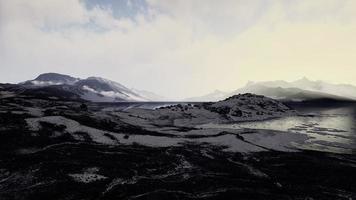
column 55, row 77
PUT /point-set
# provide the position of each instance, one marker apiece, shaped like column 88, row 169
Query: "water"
column 328, row 129
column 119, row 106
column 331, row 129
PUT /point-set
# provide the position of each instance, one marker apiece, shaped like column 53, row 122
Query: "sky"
column 179, row 48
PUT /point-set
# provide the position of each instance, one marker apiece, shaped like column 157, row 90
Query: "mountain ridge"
column 299, row 90
column 95, row 89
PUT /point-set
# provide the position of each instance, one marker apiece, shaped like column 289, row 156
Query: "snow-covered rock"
column 233, row 140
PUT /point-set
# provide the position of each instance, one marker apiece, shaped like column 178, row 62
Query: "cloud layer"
column 180, row 48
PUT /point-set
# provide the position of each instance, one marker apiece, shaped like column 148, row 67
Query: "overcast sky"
column 179, row 48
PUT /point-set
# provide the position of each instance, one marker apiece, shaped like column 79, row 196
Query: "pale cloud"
column 181, row 48
column 222, row 17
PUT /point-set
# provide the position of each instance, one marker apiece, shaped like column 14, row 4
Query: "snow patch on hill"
column 88, row 176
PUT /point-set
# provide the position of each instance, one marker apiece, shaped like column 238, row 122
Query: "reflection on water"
column 332, row 129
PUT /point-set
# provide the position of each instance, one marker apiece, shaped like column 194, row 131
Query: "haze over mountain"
column 342, row 90
column 214, row 96
column 150, row 95
column 299, row 90
column 95, row 89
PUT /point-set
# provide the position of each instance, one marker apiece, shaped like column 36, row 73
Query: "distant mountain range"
column 95, row 89
column 299, row 90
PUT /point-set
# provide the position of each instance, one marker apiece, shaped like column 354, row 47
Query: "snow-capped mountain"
column 95, row 89
column 100, row 89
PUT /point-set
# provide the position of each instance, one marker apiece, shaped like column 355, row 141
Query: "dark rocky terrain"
column 65, row 149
